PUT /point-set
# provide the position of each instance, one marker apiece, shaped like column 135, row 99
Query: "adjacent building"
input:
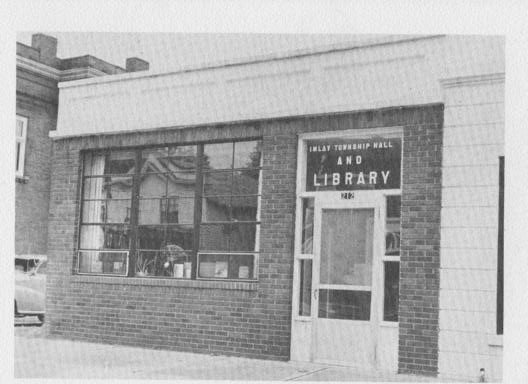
column 38, row 71
column 339, row 205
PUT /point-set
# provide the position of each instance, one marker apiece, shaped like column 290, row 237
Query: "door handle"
column 315, row 294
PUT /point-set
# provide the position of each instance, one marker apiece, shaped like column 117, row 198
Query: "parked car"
column 30, row 286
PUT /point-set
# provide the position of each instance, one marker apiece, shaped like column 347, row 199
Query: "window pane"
column 218, row 156
column 305, row 287
column 118, row 211
column 92, row 237
column 247, row 154
column 392, row 226
column 217, row 183
column 18, row 148
column 151, row 237
column 93, row 211
column 181, row 236
column 180, row 211
column 148, row 264
column 19, row 128
column 341, row 304
column 236, row 237
column 392, row 282
column 93, row 188
column 241, row 267
column 244, row 208
column 120, row 162
column 150, row 212
column 216, row 208
column 346, row 246
column 116, row 187
column 393, row 206
column 245, row 182
column 242, row 237
column 213, row 266
column 181, row 184
column 163, row 263
column 153, row 185
column 116, row 237
column 94, row 164
column 221, row 266
column 182, row 158
column 307, row 226
column 154, row 160
column 215, row 237
column 113, row 263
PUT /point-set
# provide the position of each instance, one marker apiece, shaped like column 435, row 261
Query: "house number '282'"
column 347, row 195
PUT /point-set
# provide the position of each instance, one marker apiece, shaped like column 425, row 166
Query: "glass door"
column 346, row 263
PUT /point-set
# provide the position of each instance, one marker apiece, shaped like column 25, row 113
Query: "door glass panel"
column 307, row 225
column 341, row 304
column 391, row 294
column 346, row 246
column 305, row 290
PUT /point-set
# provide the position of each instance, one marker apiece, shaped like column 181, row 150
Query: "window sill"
column 495, row 340
column 21, row 179
column 160, row 282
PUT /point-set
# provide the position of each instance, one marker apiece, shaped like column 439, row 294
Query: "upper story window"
column 180, row 212
column 20, row 133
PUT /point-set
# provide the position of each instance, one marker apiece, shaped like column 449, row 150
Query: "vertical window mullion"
column 134, row 214
column 197, row 208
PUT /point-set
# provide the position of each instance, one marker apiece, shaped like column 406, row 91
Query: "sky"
column 170, row 51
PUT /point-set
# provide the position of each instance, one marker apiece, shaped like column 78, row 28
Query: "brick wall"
column 420, row 247
column 36, row 100
column 248, row 319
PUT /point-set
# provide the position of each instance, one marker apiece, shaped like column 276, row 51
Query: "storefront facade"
column 264, row 210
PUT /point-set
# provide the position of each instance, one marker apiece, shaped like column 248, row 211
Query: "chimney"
column 47, row 45
column 134, row 64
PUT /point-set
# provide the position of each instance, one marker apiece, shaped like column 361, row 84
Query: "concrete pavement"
column 38, row 356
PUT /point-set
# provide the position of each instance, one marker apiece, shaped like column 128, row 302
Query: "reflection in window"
column 346, row 256
column 307, row 226
column 163, row 220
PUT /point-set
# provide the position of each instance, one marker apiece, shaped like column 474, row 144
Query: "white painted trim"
column 464, row 81
column 346, row 287
column 495, row 340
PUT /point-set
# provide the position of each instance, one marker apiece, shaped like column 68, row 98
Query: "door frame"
column 303, row 336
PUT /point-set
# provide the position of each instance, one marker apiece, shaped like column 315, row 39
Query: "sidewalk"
column 37, row 356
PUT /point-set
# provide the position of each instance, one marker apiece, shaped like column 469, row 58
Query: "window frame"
column 197, row 220
column 21, row 155
column 500, row 253
column 389, row 259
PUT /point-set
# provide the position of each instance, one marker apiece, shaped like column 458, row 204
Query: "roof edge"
column 339, row 47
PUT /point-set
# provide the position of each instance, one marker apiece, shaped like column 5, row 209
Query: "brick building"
column 346, row 207
column 38, row 71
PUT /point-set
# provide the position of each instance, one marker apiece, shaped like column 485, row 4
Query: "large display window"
column 172, row 211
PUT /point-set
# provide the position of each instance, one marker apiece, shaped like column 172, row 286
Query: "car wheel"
column 41, row 318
